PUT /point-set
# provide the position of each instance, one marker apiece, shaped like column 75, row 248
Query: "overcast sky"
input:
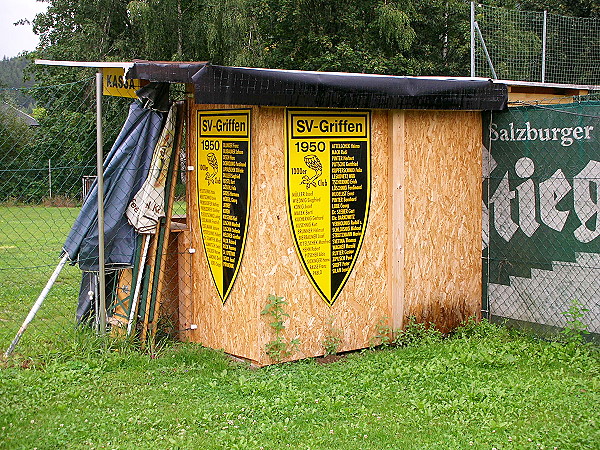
column 15, row 39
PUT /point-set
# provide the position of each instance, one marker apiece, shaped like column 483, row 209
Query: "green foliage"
column 15, row 144
column 382, row 334
column 575, row 329
column 473, row 328
column 278, row 349
column 403, row 37
column 575, row 8
column 353, row 36
column 65, row 140
column 417, row 333
column 375, row 36
column 11, row 79
column 333, row 339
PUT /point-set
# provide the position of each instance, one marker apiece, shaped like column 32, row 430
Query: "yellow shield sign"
column 328, row 192
column 223, row 173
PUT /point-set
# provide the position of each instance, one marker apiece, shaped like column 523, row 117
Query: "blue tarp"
column 125, row 169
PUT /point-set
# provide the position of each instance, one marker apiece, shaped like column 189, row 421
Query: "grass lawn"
column 31, row 238
column 484, row 388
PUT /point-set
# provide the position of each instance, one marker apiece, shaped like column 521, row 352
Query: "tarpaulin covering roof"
column 172, row 72
column 269, row 87
column 272, row 87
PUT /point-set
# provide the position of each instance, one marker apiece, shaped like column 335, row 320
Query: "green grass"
column 31, row 238
column 485, row 388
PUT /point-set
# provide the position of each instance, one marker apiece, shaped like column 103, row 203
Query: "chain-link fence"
column 47, row 166
column 542, row 214
column 536, row 46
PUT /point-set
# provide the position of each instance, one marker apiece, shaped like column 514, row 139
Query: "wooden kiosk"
column 357, row 198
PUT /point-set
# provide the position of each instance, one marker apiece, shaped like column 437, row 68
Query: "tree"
column 354, row 35
column 574, row 8
column 375, row 36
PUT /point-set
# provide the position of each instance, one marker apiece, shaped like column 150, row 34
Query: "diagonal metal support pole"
column 485, row 50
column 36, row 306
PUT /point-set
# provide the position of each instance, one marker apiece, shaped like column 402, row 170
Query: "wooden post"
column 397, row 149
column 170, row 191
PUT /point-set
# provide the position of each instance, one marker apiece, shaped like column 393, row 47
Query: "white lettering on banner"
column 502, row 218
column 524, row 168
column 552, row 191
column 586, row 202
column 585, row 206
column 566, row 135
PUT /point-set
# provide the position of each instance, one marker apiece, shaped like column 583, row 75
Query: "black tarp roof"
column 271, row 87
column 268, row 87
column 172, row 72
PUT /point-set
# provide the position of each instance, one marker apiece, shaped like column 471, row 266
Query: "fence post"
column 100, row 181
column 472, row 39
column 50, row 177
column 544, row 46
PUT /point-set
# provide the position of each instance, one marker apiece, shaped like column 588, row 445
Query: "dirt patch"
column 60, row 201
column 328, row 359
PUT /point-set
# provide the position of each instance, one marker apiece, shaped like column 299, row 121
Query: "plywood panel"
column 396, row 188
column 434, row 159
column 442, row 216
column 231, row 326
column 363, row 300
column 270, row 264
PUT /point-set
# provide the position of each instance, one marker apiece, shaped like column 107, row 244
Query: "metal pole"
column 100, row 180
column 544, row 46
column 50, row 177
column 472, row 39
column 485, row 50
column 37, row 305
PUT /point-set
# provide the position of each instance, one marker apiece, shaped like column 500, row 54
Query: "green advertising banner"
column 541, row 211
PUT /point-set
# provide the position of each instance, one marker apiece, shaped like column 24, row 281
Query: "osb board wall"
column 232, row 327
column 442, row 210
column 270, row 264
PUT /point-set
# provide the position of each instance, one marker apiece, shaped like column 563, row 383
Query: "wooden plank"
column 184, row 275
column 397, row 149
column 137, row 282
column 146, row 296
column 171, row 181
column 442, row 216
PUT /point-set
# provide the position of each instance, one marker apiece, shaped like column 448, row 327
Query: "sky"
column 15, row 39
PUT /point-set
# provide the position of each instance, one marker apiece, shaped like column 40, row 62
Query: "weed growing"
column 333, row 339
column 575, row 330
column 416, row 333
column 278, row 349
column 382, row 334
